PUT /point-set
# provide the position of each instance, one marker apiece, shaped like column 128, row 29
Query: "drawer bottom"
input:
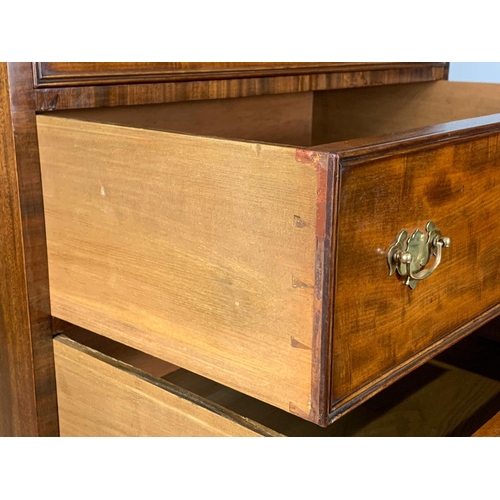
column 108, row 389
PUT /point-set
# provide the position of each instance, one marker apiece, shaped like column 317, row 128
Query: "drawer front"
column 101, row 396
column 60, row 74
column 379, row 322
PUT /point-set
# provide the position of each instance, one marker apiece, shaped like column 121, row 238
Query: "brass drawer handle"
column 409, row 256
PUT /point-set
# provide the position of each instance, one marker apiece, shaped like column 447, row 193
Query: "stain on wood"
column 298, row 222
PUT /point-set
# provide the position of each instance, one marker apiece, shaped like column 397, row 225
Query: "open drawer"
column 265, row 267
column 108, row 389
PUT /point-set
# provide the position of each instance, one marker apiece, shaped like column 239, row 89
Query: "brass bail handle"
column 409, row 256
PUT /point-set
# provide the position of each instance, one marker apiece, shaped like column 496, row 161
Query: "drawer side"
column 207, row 253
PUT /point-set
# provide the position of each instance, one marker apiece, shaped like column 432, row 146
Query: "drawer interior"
column 453, row 395
column 311, row 118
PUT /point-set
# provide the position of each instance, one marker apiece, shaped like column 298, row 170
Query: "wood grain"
column 363, row 112
column 282, row 119
column 92, row 73
column 101, row 396
column 49, row 99
column 418, row 359
column 27, row 385
column 208, row 253
column 490, row 429
column 386, row 322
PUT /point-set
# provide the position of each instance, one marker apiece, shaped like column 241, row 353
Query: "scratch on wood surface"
column 296, row 283
column 53, row 104
column 299, row 345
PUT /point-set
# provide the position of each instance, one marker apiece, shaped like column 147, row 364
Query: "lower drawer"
column 108, row 389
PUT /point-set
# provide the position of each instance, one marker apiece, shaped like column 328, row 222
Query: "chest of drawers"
column 246, row 235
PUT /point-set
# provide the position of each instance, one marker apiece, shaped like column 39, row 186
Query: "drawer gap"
column 149, row 364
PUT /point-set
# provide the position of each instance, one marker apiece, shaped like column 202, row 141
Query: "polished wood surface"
column 27, row 385
column 208, row 253
column 102, row 396
column 453, row 395
column 490, row 429
column 99, row 73
column 83, row 96
column 386, row 322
